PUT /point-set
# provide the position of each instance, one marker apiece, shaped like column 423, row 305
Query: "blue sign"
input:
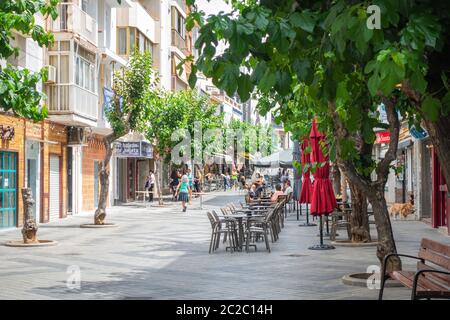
column 418, row 133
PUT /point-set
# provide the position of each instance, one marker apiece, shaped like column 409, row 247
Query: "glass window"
column 77, row 70
column 64, row 46
column 64, row 69
column 122, row 41
column 132, row 39
column 142, row 42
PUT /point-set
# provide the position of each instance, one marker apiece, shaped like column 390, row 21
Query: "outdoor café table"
column 240, row 217
column 144, row 193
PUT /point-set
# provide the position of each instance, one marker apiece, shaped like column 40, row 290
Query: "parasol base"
column 322, row 247
column 327, row 234
column 307, row 224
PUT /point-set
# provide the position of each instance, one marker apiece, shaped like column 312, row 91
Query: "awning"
column 282, row 159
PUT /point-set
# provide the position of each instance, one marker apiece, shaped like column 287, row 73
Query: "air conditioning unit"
column 77, row 136
column 51, row 74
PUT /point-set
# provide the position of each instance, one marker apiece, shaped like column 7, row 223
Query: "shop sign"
column 418, row 133
column 140, row 149
column 146, row 150
column 383, row 137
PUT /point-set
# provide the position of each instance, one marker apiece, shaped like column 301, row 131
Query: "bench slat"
column 436, row 246
column 424, row 284
column 437, row 277
column 435, row 257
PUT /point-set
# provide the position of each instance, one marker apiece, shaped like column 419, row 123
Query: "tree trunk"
column 439, row 132
column 30, row 228
column 344, row 187
column 100, row 213
column 159, row 174
column 374, row 189
column 336, row 176
column 359, row 220
column 386, row 243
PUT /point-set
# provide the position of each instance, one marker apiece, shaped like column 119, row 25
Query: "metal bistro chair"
column 273, row 225
column 261, row 230
column 216, row 231
column 340, row 220
column 282, row 199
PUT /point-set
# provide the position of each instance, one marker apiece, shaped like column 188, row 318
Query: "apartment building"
column 59, row 158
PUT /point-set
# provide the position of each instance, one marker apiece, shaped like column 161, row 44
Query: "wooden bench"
column 432, row 277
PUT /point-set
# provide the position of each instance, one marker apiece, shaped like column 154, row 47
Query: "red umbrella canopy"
column 323, row 200
column 306, row 193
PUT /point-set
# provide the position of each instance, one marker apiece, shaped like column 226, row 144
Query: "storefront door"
column 8, row 189
column 32, row 175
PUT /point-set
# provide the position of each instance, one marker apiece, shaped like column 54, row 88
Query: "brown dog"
column 401, row 209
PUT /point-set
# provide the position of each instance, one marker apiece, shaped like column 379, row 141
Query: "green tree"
column 320, row 58
column 136, row 91
column 179, row 110
column 18, row 91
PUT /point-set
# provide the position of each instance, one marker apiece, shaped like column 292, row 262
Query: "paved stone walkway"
column 162, row 253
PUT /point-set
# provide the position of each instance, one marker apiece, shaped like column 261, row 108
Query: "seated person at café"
column 277, row 193
column 251, row 193
column 287, row 187
column 260, row 183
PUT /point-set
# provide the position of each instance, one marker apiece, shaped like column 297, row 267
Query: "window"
column 136, row 40
column 84, row 68
column 122, row 41
column 132, row 39
column 178, row 23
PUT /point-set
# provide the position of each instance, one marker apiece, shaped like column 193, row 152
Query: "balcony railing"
column 72, row 99
column 72, row 19
column 179, row 42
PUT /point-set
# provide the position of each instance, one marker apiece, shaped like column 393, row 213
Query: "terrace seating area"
column 243, row 226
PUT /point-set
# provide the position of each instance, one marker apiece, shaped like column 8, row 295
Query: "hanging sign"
column 382, row 137
column 139, row 149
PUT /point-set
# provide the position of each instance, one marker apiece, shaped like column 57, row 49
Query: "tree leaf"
column 245, row 87
column 431, row 107
column 303, row 20
column 268, row 81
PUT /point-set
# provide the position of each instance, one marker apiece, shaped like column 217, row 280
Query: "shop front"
column 134, row 160
column 441, row 198
column 26, row 154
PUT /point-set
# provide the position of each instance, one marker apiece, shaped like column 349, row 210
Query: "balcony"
column 138, row 17
column 71, row 104
column 74, row 20
column 179, row 42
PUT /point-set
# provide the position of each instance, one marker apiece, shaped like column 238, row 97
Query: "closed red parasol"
column 306, row 193
column 307, row 188
column 323, row 200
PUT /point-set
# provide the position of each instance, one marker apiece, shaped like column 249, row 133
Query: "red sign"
column 382, row 137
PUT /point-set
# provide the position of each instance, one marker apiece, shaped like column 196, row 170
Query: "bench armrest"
column 397, row 255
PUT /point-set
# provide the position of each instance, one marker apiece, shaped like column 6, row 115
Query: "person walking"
column 234, row 180
column 191, row 183
column 183, row 192
column 198, row 181
column 150, row 185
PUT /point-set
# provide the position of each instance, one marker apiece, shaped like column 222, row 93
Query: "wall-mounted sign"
column 146, row 150
column 6, row 132
column 382, row 137
column 418, row 133
column 140, row 149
